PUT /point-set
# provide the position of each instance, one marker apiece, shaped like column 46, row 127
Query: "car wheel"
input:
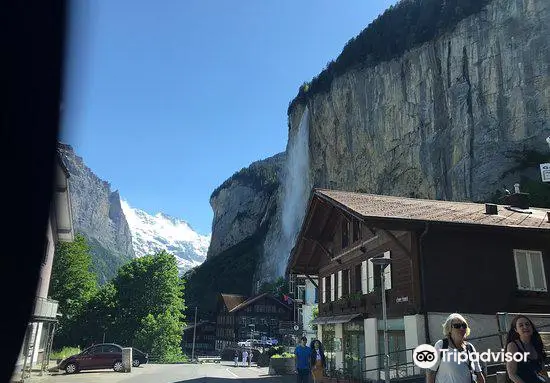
column 71, row 368
column 136, row 363
column 118, row 367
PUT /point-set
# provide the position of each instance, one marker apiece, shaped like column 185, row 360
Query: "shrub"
column 65, row 352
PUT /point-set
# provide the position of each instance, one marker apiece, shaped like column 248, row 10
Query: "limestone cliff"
column 437, row 121
column 98, row 215
column 440, row 120
column 244, row 202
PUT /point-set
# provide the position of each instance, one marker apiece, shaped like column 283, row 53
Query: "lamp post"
column 383, row 263
column 252, row 329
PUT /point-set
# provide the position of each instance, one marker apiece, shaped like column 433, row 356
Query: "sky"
column 166, row 100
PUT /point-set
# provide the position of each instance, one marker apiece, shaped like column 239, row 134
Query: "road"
column 223, row 372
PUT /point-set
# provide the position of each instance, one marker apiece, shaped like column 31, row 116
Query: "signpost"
column 545, row 172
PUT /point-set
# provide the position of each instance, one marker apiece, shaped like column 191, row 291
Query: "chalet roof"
column 409, row 209
column 251, row 300
column 232, row 300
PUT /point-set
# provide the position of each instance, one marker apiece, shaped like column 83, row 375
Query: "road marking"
column 232, row 373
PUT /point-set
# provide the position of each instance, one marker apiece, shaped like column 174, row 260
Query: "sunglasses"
column 460, row 325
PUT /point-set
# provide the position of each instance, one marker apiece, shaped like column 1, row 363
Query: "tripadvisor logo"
column 426, row 356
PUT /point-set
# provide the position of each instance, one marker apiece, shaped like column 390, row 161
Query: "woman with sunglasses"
column 452, row 370
column 523, row 337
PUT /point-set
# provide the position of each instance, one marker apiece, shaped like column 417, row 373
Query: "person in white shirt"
column 451, row 370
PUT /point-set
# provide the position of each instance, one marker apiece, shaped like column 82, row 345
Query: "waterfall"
column 296, row 190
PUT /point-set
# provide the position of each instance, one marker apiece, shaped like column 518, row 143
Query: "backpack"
column 469, row 349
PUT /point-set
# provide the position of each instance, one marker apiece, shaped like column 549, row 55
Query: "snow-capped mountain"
column 162, row 232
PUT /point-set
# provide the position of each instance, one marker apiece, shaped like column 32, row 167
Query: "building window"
column 357, row 279
column 356, row 230
column 530, row 270
column 397, row 349
column 345, row 282
column 345, row 233
column 324, row 289
column 376, row 278
column 301, row 293
column 315, row 295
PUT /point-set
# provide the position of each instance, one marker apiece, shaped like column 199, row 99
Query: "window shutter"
column 537, row 271
column 370, row 277
column 387, row 273
column 332, row 287
column 364, row 281
column 522, row 271
column 324, row 289
column 339, row 284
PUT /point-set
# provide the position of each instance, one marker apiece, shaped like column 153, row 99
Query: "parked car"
column 139, row 357
column 99, row 356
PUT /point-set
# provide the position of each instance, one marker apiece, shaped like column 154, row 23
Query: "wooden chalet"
column 446, row 257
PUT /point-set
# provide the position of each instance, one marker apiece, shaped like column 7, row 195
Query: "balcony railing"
column 45, row 308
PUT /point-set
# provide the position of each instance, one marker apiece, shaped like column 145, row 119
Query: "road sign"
column 545, row 172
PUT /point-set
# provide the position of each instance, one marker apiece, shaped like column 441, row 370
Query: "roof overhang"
column 337, row 319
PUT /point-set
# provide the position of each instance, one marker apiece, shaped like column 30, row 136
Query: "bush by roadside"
column 65, row 352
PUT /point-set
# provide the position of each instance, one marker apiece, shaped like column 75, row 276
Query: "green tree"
column 161, row 336
column 99, row 317
column 314, row 315
column 147, row 285
column 72, row 284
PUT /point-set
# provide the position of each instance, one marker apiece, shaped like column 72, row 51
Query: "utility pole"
column 383, row 262
column 194, row 334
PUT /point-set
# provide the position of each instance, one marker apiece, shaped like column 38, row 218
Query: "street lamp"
column 252, row 330
column 383, row 262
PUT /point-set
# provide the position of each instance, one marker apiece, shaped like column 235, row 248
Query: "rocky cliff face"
column 244, row 203
column 98, row 215
column 439, row 121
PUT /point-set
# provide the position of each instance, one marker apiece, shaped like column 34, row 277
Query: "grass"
column 65, row 352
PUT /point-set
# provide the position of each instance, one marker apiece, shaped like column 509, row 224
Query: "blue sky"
column 166, row 100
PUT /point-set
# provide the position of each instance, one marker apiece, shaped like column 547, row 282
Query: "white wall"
column 414, row 336
column 371, row 346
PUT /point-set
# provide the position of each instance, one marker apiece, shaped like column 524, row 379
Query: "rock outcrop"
column 98, row 215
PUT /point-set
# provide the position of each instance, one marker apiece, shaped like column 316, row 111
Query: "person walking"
column 236, row 358
column 523, row 337
column 303, row 361
column 245, row 357
column 318, row 360
column 452, row 370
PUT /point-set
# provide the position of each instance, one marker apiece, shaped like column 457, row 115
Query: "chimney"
column 491, row 209
column 518, row 199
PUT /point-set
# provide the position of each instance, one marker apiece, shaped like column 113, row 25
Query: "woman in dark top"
column 523, row 337
column 318, row 360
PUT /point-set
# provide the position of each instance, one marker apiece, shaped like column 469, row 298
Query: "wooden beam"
column 312, row 281
column 325, row 250
column 397, row 242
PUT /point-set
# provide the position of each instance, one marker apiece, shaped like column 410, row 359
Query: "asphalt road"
column 223, row 372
